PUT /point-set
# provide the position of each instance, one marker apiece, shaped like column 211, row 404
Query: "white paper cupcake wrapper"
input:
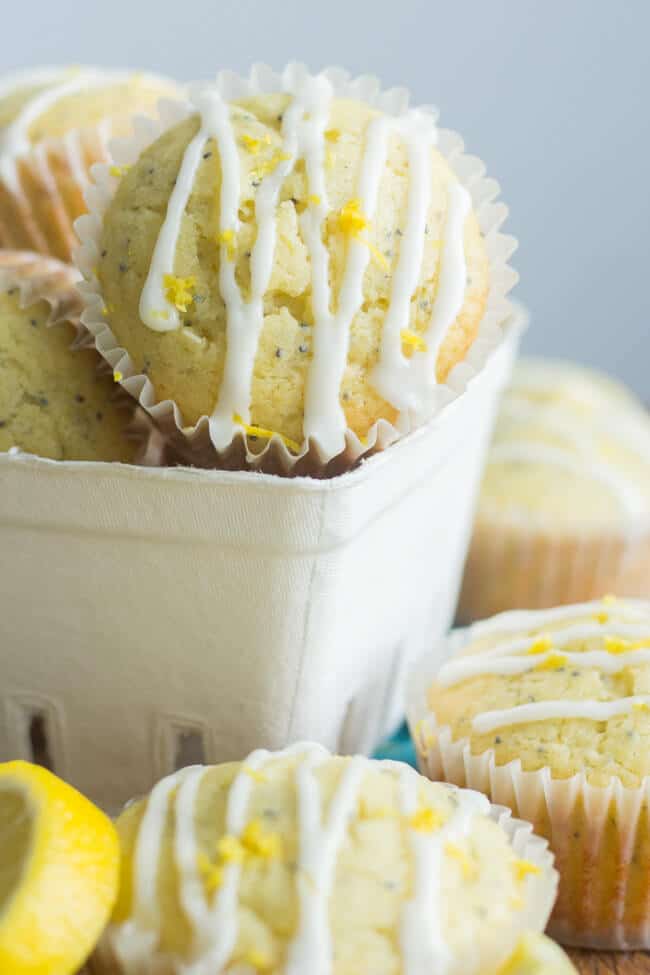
column 522, row 566
column 275, row 456
column 541, row 890
column 599, row 904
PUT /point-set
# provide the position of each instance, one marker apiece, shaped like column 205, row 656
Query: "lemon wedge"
column 59, row 865
column 538, row 955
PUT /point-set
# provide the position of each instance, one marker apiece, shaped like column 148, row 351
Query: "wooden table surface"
column 611, row 963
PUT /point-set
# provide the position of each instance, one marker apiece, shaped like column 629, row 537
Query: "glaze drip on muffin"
column 296, row 210
column 405, row 382
column 528, row 674
column 583, row 431
column 295, row 825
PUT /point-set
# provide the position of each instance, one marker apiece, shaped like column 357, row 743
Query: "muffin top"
column 294, row 263
column 52, row 102
column 571, row 448
column 566, row 689
column 299, row 862
column 53, row 401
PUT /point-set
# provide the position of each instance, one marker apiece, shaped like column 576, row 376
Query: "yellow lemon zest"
column 425, row 820
column 542, row 645
column 227, row 238
column 351, row 221
column 641, row 706
column 257, row 843
column 413, row 340
column 615, row 644
column 515, row 903
column 552, row 662
column 332, row 135
column 211, row 873
column 104, row 310
column 253, row 145
column 601, row 617
column 230, row 849
column 118, row 171
column 117, row 376
column 255, row 431
column 268, row 166
column 525, row 868
column 314, row 199
column 329, row 158
column 255, row 774
column 467, row 865
column 257, row 959
column 178, row 291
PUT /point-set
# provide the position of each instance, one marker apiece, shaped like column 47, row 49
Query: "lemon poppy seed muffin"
column 55, row 402
column 295, row 264
column 298, row 862
column 54, row 124
column 549, row 713
column 564, row 511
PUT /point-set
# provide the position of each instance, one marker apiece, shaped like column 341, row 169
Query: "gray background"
column 553, row 94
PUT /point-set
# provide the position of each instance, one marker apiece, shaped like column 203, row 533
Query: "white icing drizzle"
column 135, row 941
column 557, row 710
column 320, row 842
column 636, row 611
column 630, row 498
column 627, row 623
column 321, row 835
column 303, row 137
column 514, row 657
column 422, row 940
column 599, row 416
column 51, row 86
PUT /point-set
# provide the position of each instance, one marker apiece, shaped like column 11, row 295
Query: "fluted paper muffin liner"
column 42, row 192
column 533, row 916
column 41, row 278
column 600, row 835
column 517, row 565
column 194, row 442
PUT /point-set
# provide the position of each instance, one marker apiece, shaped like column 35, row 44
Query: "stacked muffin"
column 564, row 512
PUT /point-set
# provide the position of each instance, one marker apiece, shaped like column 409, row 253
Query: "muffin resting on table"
column 54, row 124
column 548, row 712
column 564, row 512
column 298, row 265
column 299, row 862
column 55, row 401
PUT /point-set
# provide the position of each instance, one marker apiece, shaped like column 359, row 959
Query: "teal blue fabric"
column 399, row 748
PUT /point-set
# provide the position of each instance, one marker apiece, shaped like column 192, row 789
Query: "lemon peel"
column 542, row 645
column 553, row 662
column 525, row 868
column 254, row 431
column 227, row 238
column 351, row 222
column 413, row 340
column 425, row 820
column 59, row 872
column 179, row 291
